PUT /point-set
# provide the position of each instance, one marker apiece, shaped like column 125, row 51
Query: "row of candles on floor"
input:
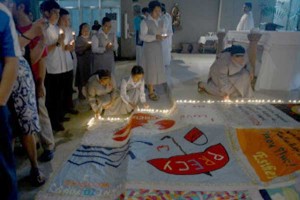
column 168, row 111
column 250, row 101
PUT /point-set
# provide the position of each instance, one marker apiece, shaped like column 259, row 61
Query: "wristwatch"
column 57, row 44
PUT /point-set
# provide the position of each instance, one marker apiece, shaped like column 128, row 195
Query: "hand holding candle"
column 161, row 37
column 109, row 46
column 72, row 42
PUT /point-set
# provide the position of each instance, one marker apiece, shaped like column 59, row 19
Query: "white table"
column 280, row 60
column 203, row 39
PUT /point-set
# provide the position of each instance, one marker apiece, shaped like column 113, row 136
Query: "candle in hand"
column 61, row 31
column 73, row 33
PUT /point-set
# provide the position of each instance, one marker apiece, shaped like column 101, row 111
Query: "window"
column 90, row 10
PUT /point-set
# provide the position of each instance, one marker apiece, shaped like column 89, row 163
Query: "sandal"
column 36, row 177
column 153, row 97
column 200, row 89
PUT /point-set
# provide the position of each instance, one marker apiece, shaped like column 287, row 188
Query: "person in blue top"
column 9, row 52
column 139, row 16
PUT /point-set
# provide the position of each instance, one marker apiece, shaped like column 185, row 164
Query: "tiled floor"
column 186, row 71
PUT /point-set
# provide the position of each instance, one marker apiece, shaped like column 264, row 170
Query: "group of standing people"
column 22, row 70
column 153, row 26
column 36, row 75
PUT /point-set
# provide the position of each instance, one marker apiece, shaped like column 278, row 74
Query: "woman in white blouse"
column 104, row 43
column 152, row 34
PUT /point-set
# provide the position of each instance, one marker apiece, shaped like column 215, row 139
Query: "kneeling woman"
column 102, row 93
column 228, row 76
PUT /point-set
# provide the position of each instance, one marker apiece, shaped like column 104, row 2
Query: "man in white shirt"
column 246, row 23
column 55, row 64
column 69, row 43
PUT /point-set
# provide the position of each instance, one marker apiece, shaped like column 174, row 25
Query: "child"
column 132, row 89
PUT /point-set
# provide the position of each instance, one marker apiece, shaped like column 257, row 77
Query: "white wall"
column 197, row 18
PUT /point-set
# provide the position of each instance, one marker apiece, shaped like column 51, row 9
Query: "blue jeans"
column 8, row 190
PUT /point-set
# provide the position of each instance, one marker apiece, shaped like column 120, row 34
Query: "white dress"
column 152, row 58
column 246, row 23
column 132, row 92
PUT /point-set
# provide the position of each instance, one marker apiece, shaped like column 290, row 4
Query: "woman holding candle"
column 83, row 52
column 152, row 34
column 103, row 46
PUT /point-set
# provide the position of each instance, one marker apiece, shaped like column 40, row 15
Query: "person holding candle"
column 35, row 55
column 55, row 63
column 69, row 47
column 104, row 43
column 152, row 58
column 83, row 52
column 228, row 76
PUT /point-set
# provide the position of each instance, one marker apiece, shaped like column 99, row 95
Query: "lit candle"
column 73, row 33
column 89, row 42
column 164, row 35
column 61, row 31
